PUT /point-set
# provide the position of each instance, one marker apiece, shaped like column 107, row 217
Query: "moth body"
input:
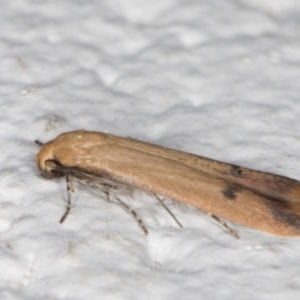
column 252, row 198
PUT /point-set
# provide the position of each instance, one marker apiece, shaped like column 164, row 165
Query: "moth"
column 113, row 164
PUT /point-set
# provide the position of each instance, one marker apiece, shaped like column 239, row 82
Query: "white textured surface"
column 217, row 78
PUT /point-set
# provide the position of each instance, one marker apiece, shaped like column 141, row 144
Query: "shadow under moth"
column 113, row 164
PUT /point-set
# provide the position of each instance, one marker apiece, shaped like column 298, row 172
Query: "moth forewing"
column 256, row 199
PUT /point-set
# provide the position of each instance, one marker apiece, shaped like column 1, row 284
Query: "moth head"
column 49, row 166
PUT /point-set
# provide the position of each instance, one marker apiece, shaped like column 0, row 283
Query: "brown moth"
column 260, row 200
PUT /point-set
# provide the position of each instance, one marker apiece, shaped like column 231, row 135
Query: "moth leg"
column 130, row 190
column 134, row 214
column 176, row 205
column 107, row 194
column 70, row 190
column 161, row 202
column 223, row 223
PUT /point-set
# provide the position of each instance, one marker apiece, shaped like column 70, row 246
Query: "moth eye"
column 52, row 169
